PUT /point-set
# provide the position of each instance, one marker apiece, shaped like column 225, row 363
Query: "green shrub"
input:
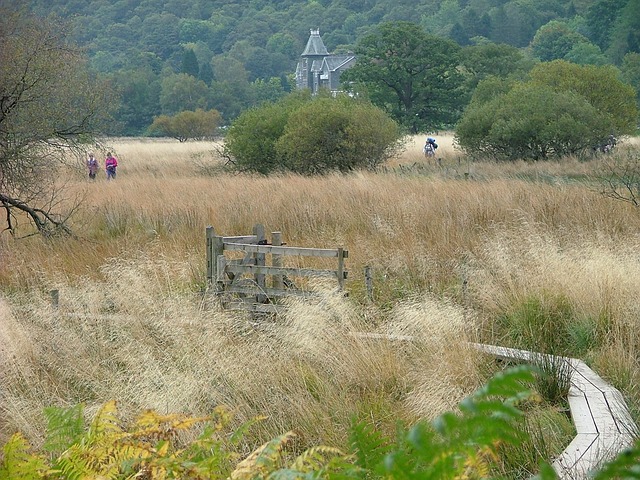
column 312, row 136
column 251, row 139
column 196, row 125
column 564, row 109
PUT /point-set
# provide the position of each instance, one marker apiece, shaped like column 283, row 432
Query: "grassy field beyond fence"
column 526, row 255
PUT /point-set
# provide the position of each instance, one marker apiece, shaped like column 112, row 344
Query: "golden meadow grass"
column 133, row 326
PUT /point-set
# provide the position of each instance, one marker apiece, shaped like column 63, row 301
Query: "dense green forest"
column 166, row 56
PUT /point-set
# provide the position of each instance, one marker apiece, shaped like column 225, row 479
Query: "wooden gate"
column 249, row 282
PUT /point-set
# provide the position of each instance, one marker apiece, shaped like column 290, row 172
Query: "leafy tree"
column 188, row 125
column 268, row 90
column 531, row 122
column 625, row 34
column 229, row 69
column 160, row 33
column 192, row 30
column 555, row 40
column 563, row 109
column 631, row 72
column 286, row 44
column 411, row 75
column 311, row 136
column 140, row 93
column 49, row 106
column 206, row 73
column 586, row 54
column 340, row 134
column 251, row 139
column 492, row 59
column 230, row 98
column 601, row 86
column 601, row 17
column 182, row 92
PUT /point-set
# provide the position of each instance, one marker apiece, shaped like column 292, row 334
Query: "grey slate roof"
column 315, row 45
column 334, row 62
column 318, row 69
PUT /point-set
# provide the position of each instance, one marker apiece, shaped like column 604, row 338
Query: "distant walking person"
column 110, row 165
column 92, row 165
column 430, row 146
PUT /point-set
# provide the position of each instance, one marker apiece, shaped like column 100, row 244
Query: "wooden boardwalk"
column 603, row 425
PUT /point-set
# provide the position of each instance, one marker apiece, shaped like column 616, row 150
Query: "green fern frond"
column 271, row 454
column 100, row 452
column 65, row 426
column 19, row 463
column 72, row 464
column 238, row 435
column 464, row 445
column 367, row 444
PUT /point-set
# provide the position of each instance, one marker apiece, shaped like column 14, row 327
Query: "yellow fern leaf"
column 105, row 422
column 163, row 450
column 263, row 460
column 478, row 465
column 315, row 458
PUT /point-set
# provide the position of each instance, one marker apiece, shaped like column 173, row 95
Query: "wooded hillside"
column 241, row 52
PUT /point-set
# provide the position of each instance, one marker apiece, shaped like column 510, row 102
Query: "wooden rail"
column 227, row 277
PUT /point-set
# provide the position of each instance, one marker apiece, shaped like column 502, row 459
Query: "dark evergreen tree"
column 190, row 63
column 600, row 20
column 206, row 73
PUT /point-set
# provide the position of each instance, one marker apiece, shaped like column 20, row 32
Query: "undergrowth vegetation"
column 467, row 444
column 521, row 255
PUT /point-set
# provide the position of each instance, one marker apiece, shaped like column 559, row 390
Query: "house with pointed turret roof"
column 317, row 68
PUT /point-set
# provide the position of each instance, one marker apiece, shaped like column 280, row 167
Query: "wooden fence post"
column 215, row 248
column 221, row 263
column 341, row 255
column 260, row 278
column 368, row 281
column 465, row 285
column 55, row 298
column 276, row 260
column 210, row 258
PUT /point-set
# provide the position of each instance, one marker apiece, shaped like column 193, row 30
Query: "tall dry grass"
column 452, row 247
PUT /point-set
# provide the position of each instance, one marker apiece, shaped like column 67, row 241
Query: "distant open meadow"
column 529, row 255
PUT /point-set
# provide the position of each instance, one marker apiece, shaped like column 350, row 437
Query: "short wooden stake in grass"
column 368, row 282
column 55, row 298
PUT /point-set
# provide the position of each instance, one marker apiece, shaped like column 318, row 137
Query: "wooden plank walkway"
column 603, row 424
column 604, row 427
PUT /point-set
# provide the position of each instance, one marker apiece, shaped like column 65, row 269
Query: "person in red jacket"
column 110, row 164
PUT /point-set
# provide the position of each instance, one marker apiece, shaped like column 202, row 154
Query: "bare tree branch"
column 45, row 222
column 50, row 106
column 620, row 177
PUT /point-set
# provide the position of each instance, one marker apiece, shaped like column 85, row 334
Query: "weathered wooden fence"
column 249, row 282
